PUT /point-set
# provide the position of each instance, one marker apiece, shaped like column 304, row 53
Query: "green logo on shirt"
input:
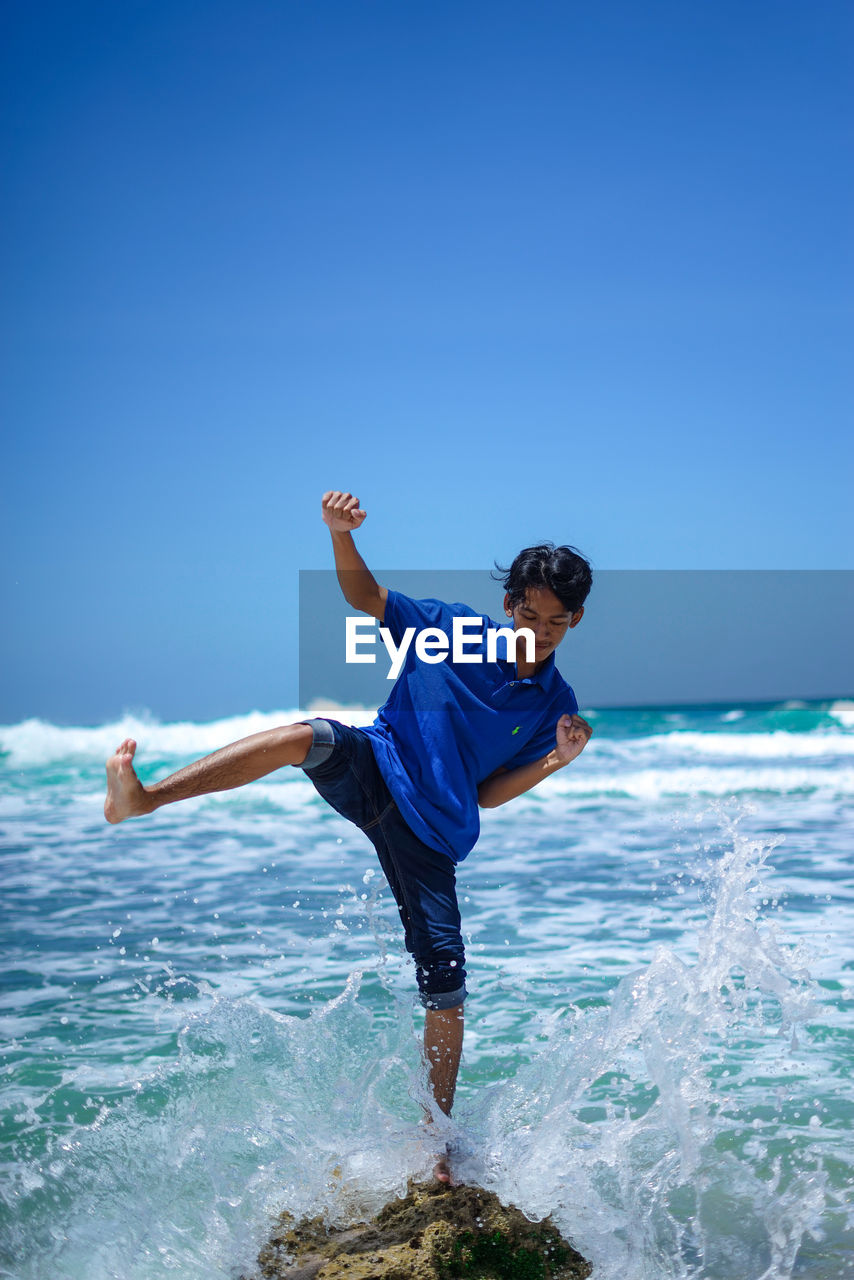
column 516, row 730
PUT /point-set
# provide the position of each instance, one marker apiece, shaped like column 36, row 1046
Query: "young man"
column 453, row 735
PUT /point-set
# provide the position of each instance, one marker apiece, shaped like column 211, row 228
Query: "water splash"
column 672, row 1132
column 256, row 1111
column 663, row 1133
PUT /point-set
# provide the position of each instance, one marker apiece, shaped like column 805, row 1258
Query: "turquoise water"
column 208, row 1016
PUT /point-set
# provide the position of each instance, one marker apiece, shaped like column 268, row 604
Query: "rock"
column 435, row 1233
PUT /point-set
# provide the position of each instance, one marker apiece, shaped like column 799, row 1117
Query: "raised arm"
column 359, row 586
column 571, row 737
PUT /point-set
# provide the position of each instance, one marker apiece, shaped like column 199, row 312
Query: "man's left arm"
column 571, row 737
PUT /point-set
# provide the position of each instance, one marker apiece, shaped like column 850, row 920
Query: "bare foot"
column 126, row 797
column 442, row 1169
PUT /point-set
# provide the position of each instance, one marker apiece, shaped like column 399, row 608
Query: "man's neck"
column 525, row 669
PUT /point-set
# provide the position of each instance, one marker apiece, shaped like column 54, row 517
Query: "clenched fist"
column 572, row 736
column 341, row 511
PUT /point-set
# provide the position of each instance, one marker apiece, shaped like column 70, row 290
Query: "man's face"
column 542, row 613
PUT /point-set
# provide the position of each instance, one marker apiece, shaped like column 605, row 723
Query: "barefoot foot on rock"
column 442, row 1171
column 126, row 796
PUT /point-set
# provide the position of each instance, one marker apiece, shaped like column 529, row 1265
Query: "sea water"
column 208, row 1015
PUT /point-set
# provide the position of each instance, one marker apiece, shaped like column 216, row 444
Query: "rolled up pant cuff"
column 443, row 999
column 322, row 744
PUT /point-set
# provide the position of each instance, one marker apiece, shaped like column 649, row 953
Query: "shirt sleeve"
column 544, row 740
column 401, row 612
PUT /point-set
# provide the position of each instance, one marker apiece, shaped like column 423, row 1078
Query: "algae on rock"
column 435, row 1233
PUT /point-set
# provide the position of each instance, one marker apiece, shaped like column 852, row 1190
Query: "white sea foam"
column 37, row 742
column 722, row 780
column 778, row 744
column 843, row 711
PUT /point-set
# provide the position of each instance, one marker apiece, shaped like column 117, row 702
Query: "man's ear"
column 576, row 617
column 507, row 608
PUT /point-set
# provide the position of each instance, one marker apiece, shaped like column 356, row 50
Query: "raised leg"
column 231, row 766
column 443, row 1045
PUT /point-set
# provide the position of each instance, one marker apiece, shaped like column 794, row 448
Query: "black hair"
column 562, row 569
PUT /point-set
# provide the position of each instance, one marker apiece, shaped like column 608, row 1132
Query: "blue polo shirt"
column 447, row 726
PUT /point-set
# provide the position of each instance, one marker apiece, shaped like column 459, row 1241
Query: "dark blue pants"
column 342, row 767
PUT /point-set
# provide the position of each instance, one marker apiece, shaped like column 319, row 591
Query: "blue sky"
column 506, row 271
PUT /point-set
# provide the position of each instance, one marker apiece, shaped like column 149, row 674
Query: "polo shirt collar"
column 543, row 677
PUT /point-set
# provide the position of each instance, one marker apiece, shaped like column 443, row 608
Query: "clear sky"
column 507, row 271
